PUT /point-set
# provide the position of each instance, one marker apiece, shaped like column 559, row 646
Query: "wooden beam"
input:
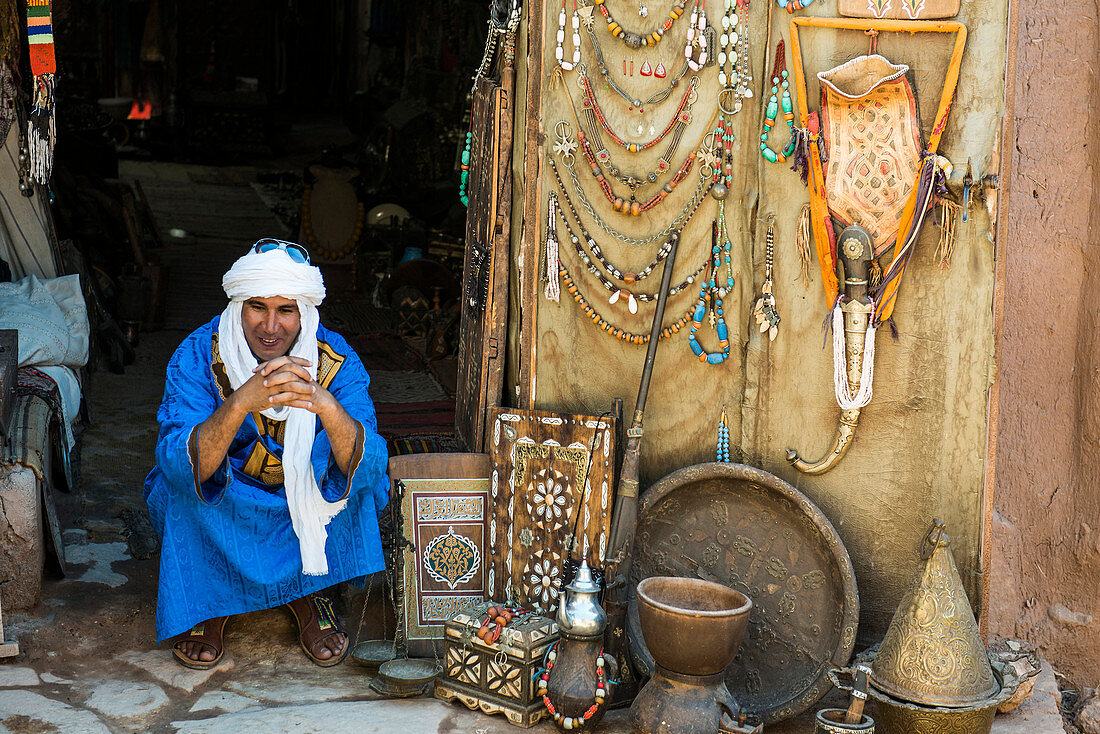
column 530, row 236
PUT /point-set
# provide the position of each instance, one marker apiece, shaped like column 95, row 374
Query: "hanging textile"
column 872, row 137
column 42, row 122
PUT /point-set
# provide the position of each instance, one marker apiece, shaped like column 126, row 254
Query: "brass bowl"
column 405, row 677
column 372, row 653
column 691, row 626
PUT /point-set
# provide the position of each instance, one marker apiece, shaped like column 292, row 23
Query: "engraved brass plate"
column 757, row 534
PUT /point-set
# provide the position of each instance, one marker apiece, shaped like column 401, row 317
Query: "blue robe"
column 227, row 543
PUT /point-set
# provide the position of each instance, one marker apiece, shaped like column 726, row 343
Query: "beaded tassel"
column 553, row 287
column 767, row 316
column 779, row 80
column 723, row 451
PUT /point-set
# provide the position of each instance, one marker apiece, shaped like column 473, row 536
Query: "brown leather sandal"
column 207, row 633
column 316, row 623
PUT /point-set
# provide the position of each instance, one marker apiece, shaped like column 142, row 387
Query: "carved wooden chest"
column 496, row 678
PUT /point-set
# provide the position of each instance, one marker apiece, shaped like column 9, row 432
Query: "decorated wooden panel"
column 903, row 9
column 443, row 566
column 551, row 480
column 485, row 268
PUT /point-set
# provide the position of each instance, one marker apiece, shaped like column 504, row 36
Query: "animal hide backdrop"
column 921, row 446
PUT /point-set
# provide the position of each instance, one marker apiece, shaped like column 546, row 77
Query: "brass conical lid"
column 932, row 653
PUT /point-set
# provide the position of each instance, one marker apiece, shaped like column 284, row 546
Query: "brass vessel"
column 932, row 653
column 903, row 717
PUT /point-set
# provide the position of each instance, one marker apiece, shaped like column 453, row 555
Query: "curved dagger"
column 854, row 252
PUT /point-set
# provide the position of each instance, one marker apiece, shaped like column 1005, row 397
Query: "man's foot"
column 319, row 632
column 201, row 647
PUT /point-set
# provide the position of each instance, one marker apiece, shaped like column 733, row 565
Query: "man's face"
column 270, row 326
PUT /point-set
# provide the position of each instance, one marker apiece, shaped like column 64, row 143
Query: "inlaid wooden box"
column 497, row 678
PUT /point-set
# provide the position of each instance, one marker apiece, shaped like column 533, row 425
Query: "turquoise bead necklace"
column 779, row 81
column 465, row 176
column 714, row 294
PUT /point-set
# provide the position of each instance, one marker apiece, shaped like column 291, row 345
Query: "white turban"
column 263, row 275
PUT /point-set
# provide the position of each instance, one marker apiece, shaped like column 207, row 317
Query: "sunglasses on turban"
column 296, row 252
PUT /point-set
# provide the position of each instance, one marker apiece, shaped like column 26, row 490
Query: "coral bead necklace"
column 571, row 722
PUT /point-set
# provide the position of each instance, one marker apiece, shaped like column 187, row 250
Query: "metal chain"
column 606, row 74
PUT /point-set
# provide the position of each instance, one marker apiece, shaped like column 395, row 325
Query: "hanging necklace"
column 734, row 74
column 604, row 325
column 631, row 298
column 767, row 317
column 597, row 148
column 572, row 722
column 597, row 252
column 634, row 102
column 497, row 29
column 565, row 146
column 631, row 205
column 637, row 40
column 680, row 118
column 779, row 80
column 713, row 294
column 696, row 38
column 559, row 51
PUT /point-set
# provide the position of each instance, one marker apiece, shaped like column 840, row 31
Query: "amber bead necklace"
column 637, row 40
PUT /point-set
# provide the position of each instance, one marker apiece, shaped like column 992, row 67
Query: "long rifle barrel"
column 626, row 496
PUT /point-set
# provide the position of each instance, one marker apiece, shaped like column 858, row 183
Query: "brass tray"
column 755, row 533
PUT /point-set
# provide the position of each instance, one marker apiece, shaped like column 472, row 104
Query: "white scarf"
column 263, row 275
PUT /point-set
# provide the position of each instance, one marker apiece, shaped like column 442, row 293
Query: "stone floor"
column 89, row 661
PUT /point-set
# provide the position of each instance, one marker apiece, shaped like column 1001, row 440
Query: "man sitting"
column 270, row 472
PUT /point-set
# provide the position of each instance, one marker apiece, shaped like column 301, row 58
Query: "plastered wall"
column 1045, row 569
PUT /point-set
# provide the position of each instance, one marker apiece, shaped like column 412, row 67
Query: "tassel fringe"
column 842, row 389
column 802, row 239
column 553, row 272
column 948, row 215
column 42, row 129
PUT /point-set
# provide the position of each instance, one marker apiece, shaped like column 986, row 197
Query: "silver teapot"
column 579, row 611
